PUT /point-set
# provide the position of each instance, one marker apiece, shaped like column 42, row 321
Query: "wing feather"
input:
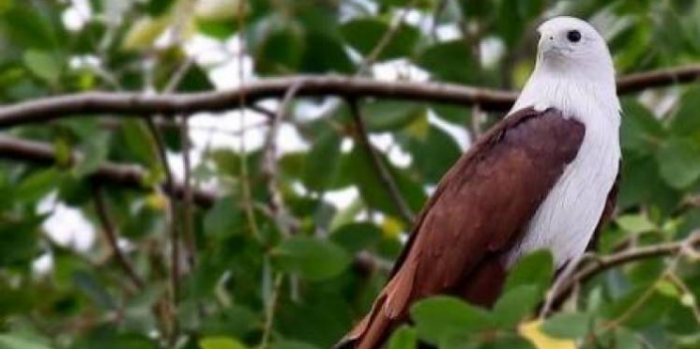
column 477, row 212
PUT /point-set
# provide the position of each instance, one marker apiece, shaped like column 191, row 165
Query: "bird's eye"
column 573, row 35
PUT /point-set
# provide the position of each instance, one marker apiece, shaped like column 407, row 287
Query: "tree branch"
column 130, row 176
column 188, row 199
column 604, row 263
column 658, row 78
column 112, row 240
column 138, row 104
column 378, row 166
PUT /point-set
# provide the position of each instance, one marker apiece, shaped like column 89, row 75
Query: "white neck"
column 586, row 93
column 580, row 194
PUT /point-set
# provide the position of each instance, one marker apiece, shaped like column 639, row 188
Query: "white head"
column 571, row 46
column 574, row 70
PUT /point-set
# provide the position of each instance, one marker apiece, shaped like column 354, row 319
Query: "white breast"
column 566, row 220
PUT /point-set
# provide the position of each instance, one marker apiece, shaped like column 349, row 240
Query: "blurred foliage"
column 253, row 281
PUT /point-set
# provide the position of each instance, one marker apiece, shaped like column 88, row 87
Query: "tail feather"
column 371, row 332
column 388, row 311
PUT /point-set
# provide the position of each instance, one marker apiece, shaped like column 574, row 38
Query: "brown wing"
column 477, row 212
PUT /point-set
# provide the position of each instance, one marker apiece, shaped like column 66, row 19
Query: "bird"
column 544, row 177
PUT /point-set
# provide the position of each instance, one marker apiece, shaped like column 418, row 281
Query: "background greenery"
column 275, row 262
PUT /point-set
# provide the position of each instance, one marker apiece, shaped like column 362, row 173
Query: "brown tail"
column 372, row 331
column 388, row 311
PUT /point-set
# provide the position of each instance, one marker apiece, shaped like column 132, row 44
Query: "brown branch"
column 657, row 78
column 138, row 104
column 382, row 172
column 112, row 240
column 171, row 212
column 129, row 176
column 604, row 263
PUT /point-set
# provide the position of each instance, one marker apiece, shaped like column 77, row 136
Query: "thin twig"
column 112, row 239
column 639, row 302
column 379, row 166
column 243, row 99
column 170, row 212
column 686, row 292
column 187, row 203
column 270, row 312
column 437, row 12
column 385, row 40
column 604, row 263
column 269, row 166
column 262, row 110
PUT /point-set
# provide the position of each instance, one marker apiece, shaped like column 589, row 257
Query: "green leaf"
column 25, row 26
column 144, row 32
column 220, row 343
column 355, row 237
column 365, row 34
column 403, row 338
column 515, row 16
column 324, row 53
column 455, row 114
column 359, row 166
column 536, row 269
column 380, row 116
column 567, row 325
column 281, row 49
column 322, row 162
column 462, row 341
column 685, row 121
column 138, row 141
column 326, row 315
column 218, row 10
column 6, row 5
column 237, row 321
column 314, row 259
column 225, row 218
column 440, row 317
column 158, row 7
column 44, row 65
column 433, row 154
column 94, row 150
column 94, row 289
column 636, row 223
column 679, row 162
column 217, row 29
column 10, row 341
column 39, row 184
column 643, row 184
column 19, row 241
column 640, row 130
column 450, row 61
column 516, row 304
column 196, row 80
column 644, row 314
column 287, row 344
column 507, row 341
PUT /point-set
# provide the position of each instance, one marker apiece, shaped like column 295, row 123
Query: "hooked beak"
column 548, row 47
